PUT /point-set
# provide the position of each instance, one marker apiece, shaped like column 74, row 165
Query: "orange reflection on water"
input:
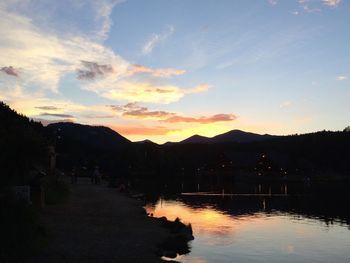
column 220, row 237
column 204, row 220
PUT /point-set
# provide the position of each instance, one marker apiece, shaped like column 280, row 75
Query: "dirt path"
column 99, row 225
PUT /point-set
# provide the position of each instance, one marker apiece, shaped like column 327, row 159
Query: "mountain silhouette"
column 85, row 135
column 231, row 136
column 147, row 141
column 196, row 139
column 85, row 146
column 240, row 136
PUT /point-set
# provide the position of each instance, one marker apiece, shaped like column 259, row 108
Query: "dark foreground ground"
column 98, row 224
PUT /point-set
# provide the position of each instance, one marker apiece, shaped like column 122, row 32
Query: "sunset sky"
column 165, row 70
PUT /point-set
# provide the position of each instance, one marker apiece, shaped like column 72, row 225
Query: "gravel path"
column 98, row 224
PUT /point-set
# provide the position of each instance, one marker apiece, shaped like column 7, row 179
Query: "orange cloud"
column 198, row 89
column 161, row 73
column 137, row 130
column 135, row 111
column 202, row 120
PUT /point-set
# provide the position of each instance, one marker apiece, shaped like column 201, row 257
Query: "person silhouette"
column 96, row 176
column 74, row 176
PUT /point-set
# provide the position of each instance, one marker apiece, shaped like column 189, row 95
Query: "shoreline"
column 98, row 224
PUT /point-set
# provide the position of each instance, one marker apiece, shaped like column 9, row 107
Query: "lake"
column 258, row 228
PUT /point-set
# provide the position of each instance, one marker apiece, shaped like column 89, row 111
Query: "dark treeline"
column 24, row 148
column 23, row 145
column 23, row 159
column 316, row 156
column 322, row 153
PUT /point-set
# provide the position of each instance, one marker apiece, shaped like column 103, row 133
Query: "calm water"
column 241, row 230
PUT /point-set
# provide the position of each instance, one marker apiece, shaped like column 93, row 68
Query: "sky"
column 167, row 69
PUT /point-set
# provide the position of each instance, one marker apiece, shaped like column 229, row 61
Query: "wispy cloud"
column 308, row 6
column 285, row 104
column 155, row 39
column 341, row 77
column 332, row 3
column 198, row 89
column 103, row 13
column 272, row 2
column 48, row 108
column 314, row 6
column 163, row 72
column 56, row 115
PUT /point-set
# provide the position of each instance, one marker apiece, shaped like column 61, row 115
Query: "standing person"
column 97, row 175
column 92, row 177
column 74, row 176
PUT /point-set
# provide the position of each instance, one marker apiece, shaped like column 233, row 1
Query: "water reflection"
column 225, row 233
column 204, row 220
